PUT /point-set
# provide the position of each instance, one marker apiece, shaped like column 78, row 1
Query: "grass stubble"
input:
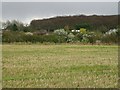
column 60, row 66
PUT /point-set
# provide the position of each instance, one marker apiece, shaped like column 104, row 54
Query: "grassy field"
column 53, row 66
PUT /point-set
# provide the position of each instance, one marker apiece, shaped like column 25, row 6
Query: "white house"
column 75, row 30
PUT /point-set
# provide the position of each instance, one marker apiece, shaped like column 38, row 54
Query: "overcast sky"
column 26, row 11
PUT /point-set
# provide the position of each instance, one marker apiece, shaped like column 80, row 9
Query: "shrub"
column 102, row 29
column 85, row 40
column 62, row 35
column 71, row 37
column 11, row 36
column 111, row 36
column 83, row 31
column 91, row 37
column 50, row 38
column 61, row 32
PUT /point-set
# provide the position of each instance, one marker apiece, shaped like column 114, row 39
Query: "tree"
column 66, row 28
column 62, row 34
column 14, row 27
column 103, row 29
column 82, row 25
column 71, row 37
column 6, row 24
column 83, row 31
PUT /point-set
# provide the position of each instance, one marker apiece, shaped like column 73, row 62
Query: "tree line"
column 65, row 29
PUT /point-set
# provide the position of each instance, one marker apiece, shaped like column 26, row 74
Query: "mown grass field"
column 54, row 66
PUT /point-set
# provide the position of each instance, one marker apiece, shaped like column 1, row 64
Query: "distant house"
column 41, row 32
column 29, row 33
column 75, row 30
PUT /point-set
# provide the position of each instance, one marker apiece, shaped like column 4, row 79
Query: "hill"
column 72, row 22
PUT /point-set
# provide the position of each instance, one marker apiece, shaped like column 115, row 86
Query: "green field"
column 54, row 66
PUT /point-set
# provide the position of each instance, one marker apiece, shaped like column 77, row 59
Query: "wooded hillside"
column 93, row 21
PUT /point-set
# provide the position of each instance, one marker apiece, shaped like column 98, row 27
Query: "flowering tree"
column 70, row 37
column 60, row 32
column 83, row 31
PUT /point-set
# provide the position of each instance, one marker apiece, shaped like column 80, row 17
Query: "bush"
column 11, row 36
column 102, row 29
column 60, row 36
column 71, row 37
column 60, row 32
column 91, row 37
column 83, row 31
column 51, row 38
column 110, row 38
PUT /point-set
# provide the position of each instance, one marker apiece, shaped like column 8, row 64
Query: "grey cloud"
column 29, row 10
